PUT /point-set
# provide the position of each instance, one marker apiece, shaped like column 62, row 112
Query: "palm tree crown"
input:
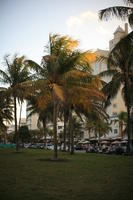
column 121, row 12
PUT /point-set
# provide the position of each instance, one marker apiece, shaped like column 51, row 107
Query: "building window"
column 115, row 131
column 114, row 113
column 59, row 127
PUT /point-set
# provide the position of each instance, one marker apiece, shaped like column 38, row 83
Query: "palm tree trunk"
column 64, row 139
column 44, row 133
column 99, row 139
column 20, row 116
column 121, row 131
column 15, row 119
column 128, row 103
column 71, row 131
column 69, row 137
column 5, row 136
column 55, row 130
column 89, row 134
column 129, row 129
column 69, row 140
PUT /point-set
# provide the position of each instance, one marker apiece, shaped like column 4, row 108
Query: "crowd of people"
column 108, row 149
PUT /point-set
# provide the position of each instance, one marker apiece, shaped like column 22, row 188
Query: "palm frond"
column 121, row 12
column 128, row 1
column 59, row 92
column 130, row 20
column 108, row 73
column 4, row 78
column 111, row 89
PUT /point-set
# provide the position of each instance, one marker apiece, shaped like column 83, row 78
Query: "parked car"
column 33, row 146
column 26, row 145
column 40, row 145
column 50, row 146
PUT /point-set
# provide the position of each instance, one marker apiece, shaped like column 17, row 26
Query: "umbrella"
column 105, row 142
column 115, row 142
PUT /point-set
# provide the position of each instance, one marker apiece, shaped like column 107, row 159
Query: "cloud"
column 81, row 19
column 86, row 21
column 90, row 31
column 101, row 30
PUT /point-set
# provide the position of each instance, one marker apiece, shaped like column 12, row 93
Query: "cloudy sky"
column 26, row 24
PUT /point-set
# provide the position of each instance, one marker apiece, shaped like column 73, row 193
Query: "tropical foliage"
column 64, row 78
column 15, row 73
column 6, row 111
column 121, row 12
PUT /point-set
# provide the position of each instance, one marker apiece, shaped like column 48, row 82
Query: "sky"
column 25, row 25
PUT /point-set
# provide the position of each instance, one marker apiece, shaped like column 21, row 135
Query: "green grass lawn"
column 31, row 175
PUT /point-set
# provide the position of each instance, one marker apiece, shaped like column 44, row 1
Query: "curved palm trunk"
column 55, row 130
column 64, row 139
column 15, row 119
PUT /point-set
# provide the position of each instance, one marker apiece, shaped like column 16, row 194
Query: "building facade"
column 117, row 104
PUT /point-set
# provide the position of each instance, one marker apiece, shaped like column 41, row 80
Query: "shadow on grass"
column 60, row 160
column 19, row 152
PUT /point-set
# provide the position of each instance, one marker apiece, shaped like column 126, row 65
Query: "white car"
column 50, row 146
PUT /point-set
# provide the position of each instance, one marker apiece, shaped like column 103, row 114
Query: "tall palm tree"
column 83, row 100
column 120, row 68
column 15, row 73
column 63, row 68
column 121, row 12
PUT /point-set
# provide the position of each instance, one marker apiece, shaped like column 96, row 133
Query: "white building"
column 117, row 104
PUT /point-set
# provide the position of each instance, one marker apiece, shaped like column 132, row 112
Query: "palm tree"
column 102, row 127
column 120, row 68
column 121, row 12
column 15, row 73
column 64, row 69
column 5, row 111
column 50, row 73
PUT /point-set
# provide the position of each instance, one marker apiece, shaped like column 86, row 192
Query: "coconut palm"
column 84, row 101
column 15, row 72
column 63, row 68
column 50, row 74
column 121, row 12
column 120, row 68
